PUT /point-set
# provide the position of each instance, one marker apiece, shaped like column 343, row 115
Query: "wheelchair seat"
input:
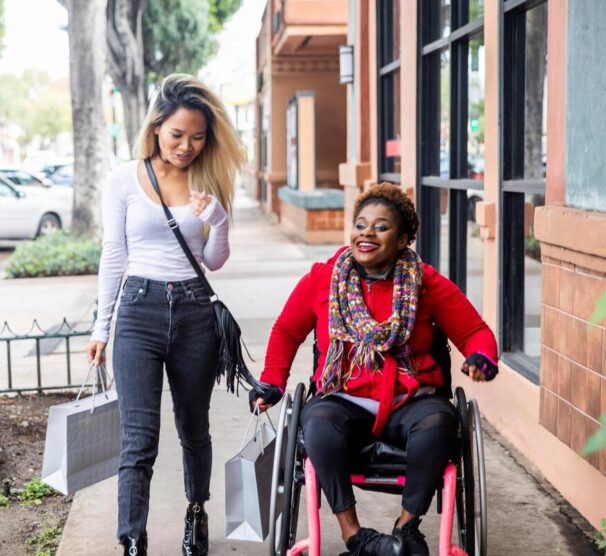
column 380, row 458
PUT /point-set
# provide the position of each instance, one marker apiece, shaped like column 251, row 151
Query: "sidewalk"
column 265, row 265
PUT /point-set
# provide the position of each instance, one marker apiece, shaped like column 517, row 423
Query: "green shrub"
column 34, row 491
column 59, row 254
column 3, row 501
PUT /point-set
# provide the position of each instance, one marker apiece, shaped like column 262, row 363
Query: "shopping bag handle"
column 256, row 416
column 101, row 376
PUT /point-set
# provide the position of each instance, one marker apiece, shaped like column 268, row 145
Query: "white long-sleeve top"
column 138, row 241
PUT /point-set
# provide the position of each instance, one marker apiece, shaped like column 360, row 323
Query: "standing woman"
column 165, row 319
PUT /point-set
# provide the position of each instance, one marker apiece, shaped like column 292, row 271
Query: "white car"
column 29, row 212
column 18, row 176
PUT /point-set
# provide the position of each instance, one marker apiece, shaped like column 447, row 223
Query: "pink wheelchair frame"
column 463, row 492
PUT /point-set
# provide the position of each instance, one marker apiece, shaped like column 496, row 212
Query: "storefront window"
column 388, row 48
column 475, row 109
column 436, row 20
column 452, row 141
column 524, row 163
column 444, row 114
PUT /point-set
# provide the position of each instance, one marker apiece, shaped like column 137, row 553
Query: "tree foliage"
column 178, row 35
column 2, row 26
column 35, row 103
column 220, row 12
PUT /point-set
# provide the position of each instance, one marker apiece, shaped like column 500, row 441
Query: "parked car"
column 22, row 177
column 29, row 212
column 60, row 173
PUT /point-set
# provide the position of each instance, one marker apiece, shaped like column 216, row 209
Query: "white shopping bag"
column 82, row 439
column 248, row 486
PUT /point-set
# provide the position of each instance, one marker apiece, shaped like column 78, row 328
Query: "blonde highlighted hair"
column 214, row 169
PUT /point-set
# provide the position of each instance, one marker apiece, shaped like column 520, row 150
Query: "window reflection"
column 395, row 30
column 438, row 14
column 535, row 102
column 532, row 279
column 475, row 124
column 476, row 9
column 391, row 122
column 445, row 114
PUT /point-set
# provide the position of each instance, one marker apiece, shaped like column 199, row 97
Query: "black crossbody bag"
column 231, row 361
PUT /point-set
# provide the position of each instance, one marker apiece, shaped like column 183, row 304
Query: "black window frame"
column 429, row 184
column 386, row 71
column 513, row 189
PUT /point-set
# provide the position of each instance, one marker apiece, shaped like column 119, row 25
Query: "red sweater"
column 440, row 301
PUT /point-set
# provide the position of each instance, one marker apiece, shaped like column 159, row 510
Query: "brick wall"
column 573, row 351
column 313, row 226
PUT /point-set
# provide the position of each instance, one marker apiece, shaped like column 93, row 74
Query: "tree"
column 220, row 12
column 2, row 26
column 167, row 23
column 125, row 59
column 36, row 104
column 149, row 39
column 47, row 116
column 87, row 55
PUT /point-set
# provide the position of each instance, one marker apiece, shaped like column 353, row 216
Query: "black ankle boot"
column 134, row 546
column 368, row 542
column 412, row 539
column 195, row 538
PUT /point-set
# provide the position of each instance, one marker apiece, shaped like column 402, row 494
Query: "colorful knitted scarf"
column 351, row 321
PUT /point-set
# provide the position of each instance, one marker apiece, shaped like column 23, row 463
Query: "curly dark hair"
column 397, row 201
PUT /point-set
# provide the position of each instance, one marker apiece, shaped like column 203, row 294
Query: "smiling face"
column 182, row 137
column 375, row 238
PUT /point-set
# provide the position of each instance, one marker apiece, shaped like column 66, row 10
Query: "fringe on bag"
column 231, row 360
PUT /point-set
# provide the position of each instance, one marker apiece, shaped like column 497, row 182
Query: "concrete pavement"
column 524, row 515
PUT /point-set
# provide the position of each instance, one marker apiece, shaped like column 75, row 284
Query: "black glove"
column 270, row 393
column 483, row 364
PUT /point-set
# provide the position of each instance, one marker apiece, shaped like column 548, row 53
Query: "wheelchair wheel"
column 277, row 478
column 481, row 515
column 465, row 500
column 471, row 504
column 293, row 476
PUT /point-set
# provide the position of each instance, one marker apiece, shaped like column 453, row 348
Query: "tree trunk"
column 87, row 49
column 125, row 60
column 536, row 67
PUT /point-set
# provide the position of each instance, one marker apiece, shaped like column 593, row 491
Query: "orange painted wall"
column 331, row 104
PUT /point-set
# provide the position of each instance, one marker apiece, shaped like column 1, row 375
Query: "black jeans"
column 162, row 324
column 334, row 429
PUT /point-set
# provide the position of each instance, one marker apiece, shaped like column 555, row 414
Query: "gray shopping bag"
column 82, row 441
column 248, row 486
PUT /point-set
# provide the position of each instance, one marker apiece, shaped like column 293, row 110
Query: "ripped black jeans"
column 334, row 429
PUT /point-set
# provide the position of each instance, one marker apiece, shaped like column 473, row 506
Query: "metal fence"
column 49, row 339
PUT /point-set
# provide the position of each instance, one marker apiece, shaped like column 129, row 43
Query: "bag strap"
column 174, row 226
column 256, row 417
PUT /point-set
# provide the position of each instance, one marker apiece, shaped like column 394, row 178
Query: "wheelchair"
column 463, row 490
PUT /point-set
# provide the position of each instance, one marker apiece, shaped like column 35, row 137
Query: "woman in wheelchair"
column 373, row 306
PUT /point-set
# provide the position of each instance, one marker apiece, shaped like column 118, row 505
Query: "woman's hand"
column 95, row 351
column 480, row 367
column 263, row 400
column 199, row 201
